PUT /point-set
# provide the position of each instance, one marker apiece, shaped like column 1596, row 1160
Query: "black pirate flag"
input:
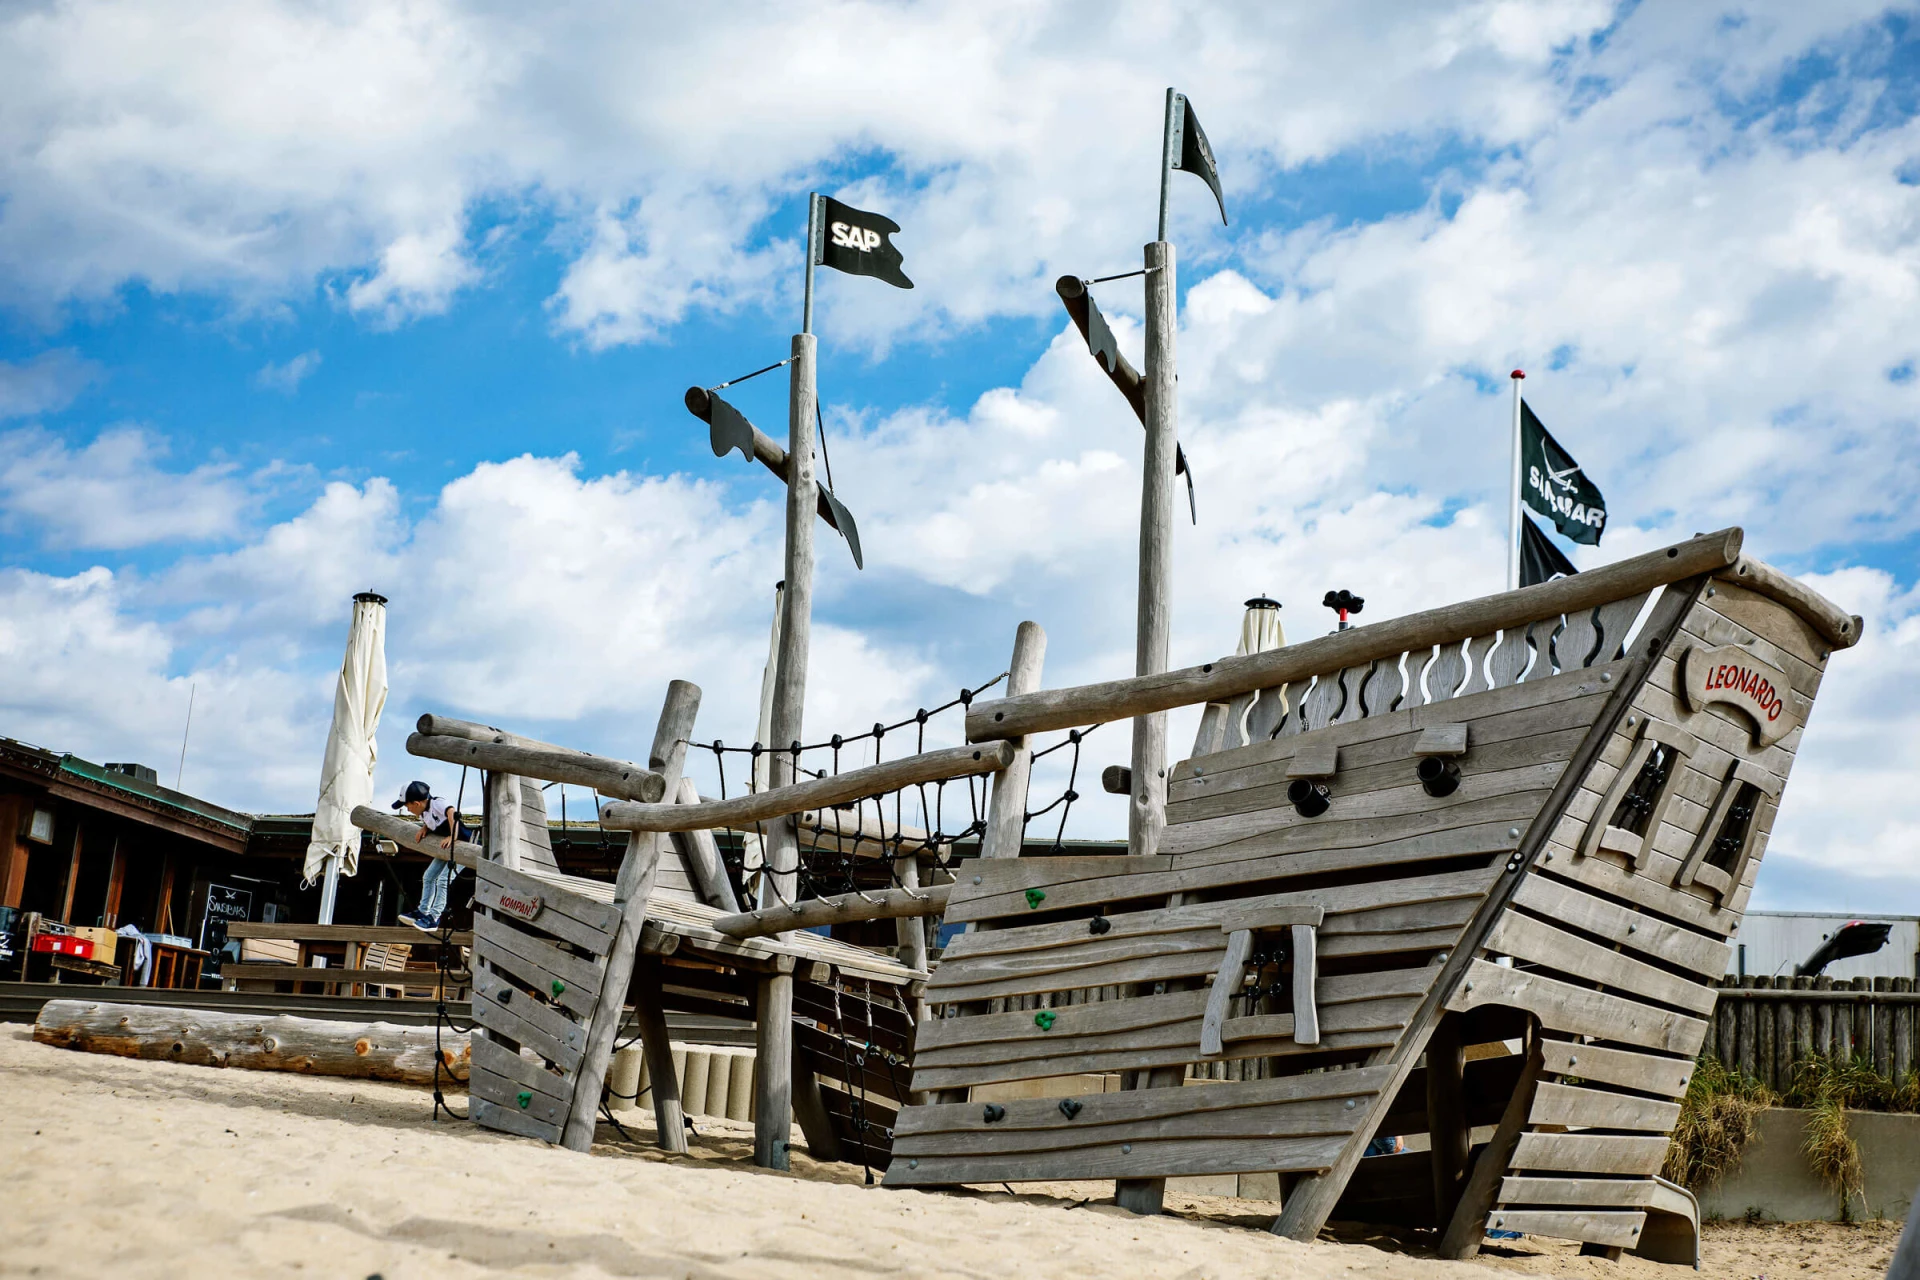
column 1195, row 154
column 855, row 241
column 1553, row 484
column 1540, row 560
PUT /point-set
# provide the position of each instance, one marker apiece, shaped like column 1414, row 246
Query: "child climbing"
column 437, row 818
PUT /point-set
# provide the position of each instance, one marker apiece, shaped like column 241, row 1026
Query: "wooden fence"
column 1766, row 1026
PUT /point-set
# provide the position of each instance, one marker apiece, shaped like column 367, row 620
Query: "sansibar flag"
column 1195, row 154
column 855, row 241
column 1540, row 560
column 1553, row 484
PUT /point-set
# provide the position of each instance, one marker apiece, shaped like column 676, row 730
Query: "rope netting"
column 862, row 844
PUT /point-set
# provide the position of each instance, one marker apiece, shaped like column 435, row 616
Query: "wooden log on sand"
column 204, row 1038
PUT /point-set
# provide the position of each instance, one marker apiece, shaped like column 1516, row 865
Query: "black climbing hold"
column 1070, row 1108
column 993, row 1113
column 503, row 995
column 1099, row 925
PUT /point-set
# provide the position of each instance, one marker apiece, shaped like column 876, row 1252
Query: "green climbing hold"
column 558, row 987
column 1035, row 897
column 1044, row 1019
column 524, row 1098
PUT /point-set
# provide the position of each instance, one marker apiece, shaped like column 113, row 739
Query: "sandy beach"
column 153, row 1169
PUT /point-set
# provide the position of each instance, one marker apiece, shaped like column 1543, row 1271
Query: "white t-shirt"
column 435, row 818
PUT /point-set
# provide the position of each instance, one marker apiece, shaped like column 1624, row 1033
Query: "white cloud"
column 113, row 494
column 44, row 384
column 287, row 377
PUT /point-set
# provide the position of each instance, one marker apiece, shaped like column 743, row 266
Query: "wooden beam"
column 73, row 871
column 702, row 855
column 814, row 793
column 1447, row 1115
column 116, row 884
column 405, row 832
column 810, row 913
column 766, row 451
column 1467, row 1225
column 1839, row 628
column 1006, row 807
column 1073, row 296
column 1227, row 677
column 630, row 892
column 1147, row 797
column 649, row 1012
column 554, row 764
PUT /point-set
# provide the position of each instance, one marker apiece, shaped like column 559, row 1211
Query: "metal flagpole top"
column 1166, row 156
column 813, row 255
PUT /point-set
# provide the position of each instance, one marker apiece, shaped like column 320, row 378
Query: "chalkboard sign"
column 225, row 904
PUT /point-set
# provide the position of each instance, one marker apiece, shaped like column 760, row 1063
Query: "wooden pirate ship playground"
column 1469, row 869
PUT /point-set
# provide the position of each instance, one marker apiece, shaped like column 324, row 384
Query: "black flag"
column 855, row 241
column 1540, row 560
column 1195, row 154
column 1553, row 484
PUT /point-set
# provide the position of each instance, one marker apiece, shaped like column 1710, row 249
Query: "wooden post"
column 1903, row 1048
column 655, row 1043
column 910, row 931
column 13, row 849
column 73, row 874
column 773, row 1082
column 1007, row 806
column 1447, row 1115
column 116, row 885
column 503, row 819
column 630, row 891
column 1468, row 1224
column 773, row 1019
column 1883, row 1029
column 1147, row 802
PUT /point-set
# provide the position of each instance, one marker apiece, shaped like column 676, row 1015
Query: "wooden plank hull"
column 1572, row 891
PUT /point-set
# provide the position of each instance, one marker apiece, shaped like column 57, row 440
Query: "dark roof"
column 52, row 767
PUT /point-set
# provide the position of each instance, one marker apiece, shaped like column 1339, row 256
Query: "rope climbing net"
column 864, row 844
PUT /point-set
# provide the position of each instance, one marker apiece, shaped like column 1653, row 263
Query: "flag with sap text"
column 1554, row 485
column 1194, row 154
column 856, row 242
column 1540, row 560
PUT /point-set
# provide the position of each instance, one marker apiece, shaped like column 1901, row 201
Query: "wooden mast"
column 773, row 1015
column 1147, row 802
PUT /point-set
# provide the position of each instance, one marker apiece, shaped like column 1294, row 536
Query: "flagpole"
column 1167, row 144
column 1513, row 505
column 813, row 253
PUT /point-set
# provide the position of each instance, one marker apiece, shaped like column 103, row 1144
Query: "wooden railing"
column 1768, row 1026
column 1366, row 670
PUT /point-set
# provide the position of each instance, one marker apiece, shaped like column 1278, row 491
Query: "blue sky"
column 295, row 302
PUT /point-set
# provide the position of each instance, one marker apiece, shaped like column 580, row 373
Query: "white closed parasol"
column 346, row 775
column 1260, row 630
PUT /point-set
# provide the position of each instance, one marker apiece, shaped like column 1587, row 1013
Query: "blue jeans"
column 433, row 889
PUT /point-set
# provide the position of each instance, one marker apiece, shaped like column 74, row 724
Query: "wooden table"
column 344, row 948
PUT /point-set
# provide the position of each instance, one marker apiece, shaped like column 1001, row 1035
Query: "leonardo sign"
column 1731, row 675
